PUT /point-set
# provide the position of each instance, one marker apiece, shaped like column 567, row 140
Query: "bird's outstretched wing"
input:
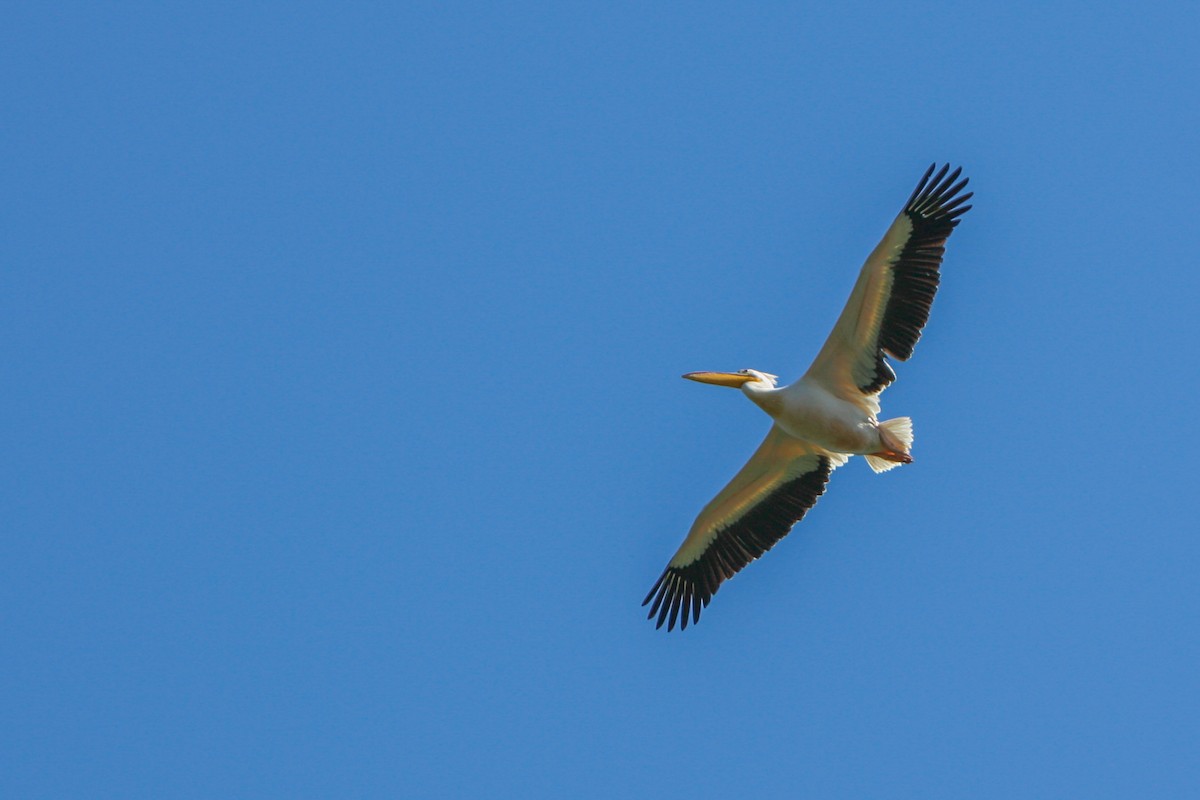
column 780, row 482
column 890, row 302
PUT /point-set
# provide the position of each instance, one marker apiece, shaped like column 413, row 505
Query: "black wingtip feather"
column 654, row 590
column 666, row 607
column 921, row 184
column 675, row 600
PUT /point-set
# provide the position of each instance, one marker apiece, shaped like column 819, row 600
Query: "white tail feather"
column 899, row 431
column 880, row 464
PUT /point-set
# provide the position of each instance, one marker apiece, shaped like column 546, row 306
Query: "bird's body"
column 828, row 415
column 807, row 410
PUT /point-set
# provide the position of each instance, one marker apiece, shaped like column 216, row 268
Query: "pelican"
column 830, row 414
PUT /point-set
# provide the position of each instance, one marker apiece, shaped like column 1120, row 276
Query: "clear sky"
column 343, row 430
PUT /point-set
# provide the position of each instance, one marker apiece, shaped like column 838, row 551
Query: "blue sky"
column 344, row 434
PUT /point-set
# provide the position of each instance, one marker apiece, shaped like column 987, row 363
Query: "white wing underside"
column 779, row 459
column 780, row 482
column 848, row 359
column 892, row 297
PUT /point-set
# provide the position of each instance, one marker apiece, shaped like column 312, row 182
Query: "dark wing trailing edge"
column 890, row 303
column 741, row 524
column 933, row 210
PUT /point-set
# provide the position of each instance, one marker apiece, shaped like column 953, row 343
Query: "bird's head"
column 736, row 380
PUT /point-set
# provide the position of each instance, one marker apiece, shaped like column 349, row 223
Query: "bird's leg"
column 892, row 455
column 893, row 450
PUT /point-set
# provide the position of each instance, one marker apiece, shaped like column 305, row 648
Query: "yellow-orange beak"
column 733, row 380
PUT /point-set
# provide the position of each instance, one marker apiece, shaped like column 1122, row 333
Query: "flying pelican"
column 829, row 414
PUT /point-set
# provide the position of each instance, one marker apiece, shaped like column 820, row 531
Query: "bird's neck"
column 768, row 398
